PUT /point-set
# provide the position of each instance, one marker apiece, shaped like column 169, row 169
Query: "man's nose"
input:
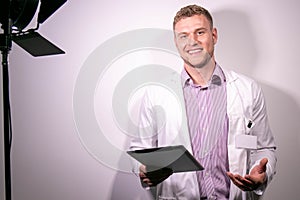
column 192, row 40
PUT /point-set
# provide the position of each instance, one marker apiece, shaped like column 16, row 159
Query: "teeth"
column 194, row 51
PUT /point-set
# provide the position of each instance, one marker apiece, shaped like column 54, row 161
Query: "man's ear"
column 215, row 35
column 175, row 40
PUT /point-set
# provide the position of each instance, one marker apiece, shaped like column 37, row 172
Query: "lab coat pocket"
column 240, row 132
column 246, row 140
column 243, row 141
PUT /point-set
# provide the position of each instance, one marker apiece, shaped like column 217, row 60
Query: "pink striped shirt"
column 208, row 127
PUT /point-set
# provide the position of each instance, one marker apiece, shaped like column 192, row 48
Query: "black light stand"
column 5, row 45
column 7, row 124
column 18, row 13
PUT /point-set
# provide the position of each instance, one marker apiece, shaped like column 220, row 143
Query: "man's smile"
column 194, row 51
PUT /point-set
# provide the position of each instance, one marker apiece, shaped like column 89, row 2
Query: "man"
column 223, row 122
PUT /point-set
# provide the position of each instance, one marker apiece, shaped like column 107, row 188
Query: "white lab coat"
column 163, row 122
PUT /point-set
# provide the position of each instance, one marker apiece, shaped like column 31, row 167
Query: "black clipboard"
column 177, row 158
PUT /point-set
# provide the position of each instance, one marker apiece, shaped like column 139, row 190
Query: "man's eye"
column 200, row 32
column 182, row 37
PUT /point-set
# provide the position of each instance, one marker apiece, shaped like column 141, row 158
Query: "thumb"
column 263, row 164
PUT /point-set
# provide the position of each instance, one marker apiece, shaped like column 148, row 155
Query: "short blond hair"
column 191, row 10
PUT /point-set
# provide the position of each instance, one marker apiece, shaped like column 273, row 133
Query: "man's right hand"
column 153, row 178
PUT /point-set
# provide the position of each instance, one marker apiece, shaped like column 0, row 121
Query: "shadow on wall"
column 237, row 49
column 236, row 46
column 127, row 186
column 284, row 115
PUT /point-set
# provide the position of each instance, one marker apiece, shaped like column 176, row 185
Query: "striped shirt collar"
column 217, row 78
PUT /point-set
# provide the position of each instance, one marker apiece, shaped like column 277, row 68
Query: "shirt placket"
column 207, row 181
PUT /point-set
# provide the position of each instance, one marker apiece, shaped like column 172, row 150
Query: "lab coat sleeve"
column 266, row 146
column 145, row 136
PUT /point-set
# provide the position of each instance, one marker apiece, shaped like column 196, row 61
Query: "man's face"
column 195, row 40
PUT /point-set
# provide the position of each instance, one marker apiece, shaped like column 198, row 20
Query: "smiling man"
column 195, row 39
column 226, row 127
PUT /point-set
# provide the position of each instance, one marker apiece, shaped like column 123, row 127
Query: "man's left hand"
column 253, row 180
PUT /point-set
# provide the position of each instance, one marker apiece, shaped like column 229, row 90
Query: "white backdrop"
column 57, row 152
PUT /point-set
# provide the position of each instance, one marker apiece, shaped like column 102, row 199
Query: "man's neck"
column 201, row 76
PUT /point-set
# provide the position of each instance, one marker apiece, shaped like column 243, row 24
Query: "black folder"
column 177, row 158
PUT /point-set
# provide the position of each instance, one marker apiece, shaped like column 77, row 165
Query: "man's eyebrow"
column 181, row 33
column 201, row 29
column 195, row 30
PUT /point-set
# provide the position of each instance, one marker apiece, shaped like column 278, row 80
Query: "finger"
column 241, row 182
column 143, row 169
column 234, row 179
column 247, row 183
column 263, row 164
column 147, row 181
column 142, row 175
column 231, row 176
column 257, row 179
column 152, row 181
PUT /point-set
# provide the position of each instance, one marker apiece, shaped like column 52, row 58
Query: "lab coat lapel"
column 183, row 137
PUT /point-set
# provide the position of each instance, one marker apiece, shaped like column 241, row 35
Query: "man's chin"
column 197, row 65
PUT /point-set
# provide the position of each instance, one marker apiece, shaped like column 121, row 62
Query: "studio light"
column 15, row 15
column 21, row 13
